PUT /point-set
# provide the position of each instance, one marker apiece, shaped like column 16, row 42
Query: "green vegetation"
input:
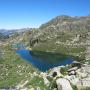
column 13, row 69
column 63, row 70
column 87, row 88
column 74, row 87
column 37, row 82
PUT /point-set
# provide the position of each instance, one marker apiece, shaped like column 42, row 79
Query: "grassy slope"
column 13, row 68
column 15, row 71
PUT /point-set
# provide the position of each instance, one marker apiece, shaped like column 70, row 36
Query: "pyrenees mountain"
column 55, row 56
column 63, row 34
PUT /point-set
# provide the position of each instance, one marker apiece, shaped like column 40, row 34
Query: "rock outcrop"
column 63, row 84
column 74, row 76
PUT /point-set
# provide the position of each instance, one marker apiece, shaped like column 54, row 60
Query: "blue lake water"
column 43, row 62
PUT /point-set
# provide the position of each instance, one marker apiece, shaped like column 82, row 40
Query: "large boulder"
column 63, row 84
column 73, row 79
column 55, row 72
column 44, row 76
column 46, row 81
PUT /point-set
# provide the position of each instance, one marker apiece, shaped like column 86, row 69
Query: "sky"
column 16, row 14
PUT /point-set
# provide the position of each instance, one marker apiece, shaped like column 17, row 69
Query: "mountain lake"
column 44, row 60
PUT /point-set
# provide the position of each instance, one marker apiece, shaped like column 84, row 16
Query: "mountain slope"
column 64, row 34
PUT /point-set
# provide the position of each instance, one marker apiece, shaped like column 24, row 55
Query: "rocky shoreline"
column 65, row 77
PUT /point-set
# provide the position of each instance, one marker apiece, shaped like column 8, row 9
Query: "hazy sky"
column 33, row 13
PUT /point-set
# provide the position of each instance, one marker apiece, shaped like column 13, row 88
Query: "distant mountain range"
column 8, row 32
column 4, row 34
